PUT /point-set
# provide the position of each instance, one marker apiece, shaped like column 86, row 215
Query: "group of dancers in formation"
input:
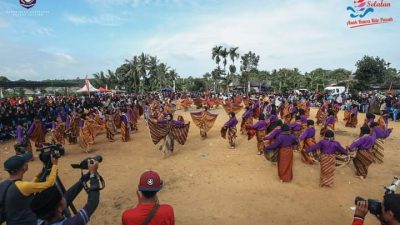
column 280, row 130
column 278, row 139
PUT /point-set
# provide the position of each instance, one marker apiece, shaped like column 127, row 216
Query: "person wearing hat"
column 328, row 147
column 18, row 194
column 49, row 204
column 149, row 211
column 285, row 143
column 364, row 157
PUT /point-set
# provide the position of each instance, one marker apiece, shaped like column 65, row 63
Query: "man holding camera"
column 50, row 204
column 148, row 210
column 16, row 194
column 389, row 215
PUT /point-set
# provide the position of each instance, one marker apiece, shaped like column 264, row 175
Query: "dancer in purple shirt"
column 229, row 129
column 285, row 142
column 328, row 147
column 329, row 123
column 307, row 139
column 260, row 128
column 364, row 157
column 380, row 135
column 272, row 155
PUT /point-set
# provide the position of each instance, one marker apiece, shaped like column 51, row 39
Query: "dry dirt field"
column 209, row 184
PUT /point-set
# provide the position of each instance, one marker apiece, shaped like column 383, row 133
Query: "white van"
column 338, row 90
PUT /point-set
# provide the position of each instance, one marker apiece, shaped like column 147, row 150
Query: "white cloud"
column 65, row 59
column 104, row 20
column 44, row 31
column 299, row 34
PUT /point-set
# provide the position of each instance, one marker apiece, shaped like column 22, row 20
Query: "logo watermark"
column 363, row 8
column 27, row 3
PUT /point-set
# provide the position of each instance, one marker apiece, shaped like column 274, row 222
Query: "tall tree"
column 216, row 54
column 371, row 70
column 249, row 62
column 224, row 54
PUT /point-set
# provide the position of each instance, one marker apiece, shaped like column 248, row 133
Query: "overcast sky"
column 72, row 38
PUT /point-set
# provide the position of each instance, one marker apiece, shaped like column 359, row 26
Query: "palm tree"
column 233, row 54
column 224, row 54
column 216, row 53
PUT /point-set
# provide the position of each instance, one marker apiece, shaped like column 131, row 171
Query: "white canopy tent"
column 88, row 87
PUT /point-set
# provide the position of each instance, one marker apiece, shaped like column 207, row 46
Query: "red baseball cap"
column 150, row 181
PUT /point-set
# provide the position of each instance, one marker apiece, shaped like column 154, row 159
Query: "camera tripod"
column 60, row 186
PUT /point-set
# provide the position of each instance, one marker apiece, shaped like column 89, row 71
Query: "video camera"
column 375, row 206
column 83, row 165
column 55, row 150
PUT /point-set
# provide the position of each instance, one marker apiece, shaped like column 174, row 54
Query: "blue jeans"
column 395, row 113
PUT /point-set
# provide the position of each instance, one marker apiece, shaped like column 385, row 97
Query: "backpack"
column 4, row 186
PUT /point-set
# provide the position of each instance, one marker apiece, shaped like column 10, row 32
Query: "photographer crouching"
column 387, row 211
column 50, row 205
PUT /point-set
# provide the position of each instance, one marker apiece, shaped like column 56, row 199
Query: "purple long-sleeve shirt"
column 125, row 118
column 81, row 123
column 272, row 119
column 32, row 128
column 378, row 132
column 174, row 122
column 283, row 140
column 303, row 119
column 365, row 142
column 260, row 125
column 327, row 147
column 273, row 135
column 232, row 122
column 330, row 120
column 68, row 122
column 354, row 111
column 295, row 126
column 20, row 134
column 308, row 133
column 369, row 121
column 248, row 113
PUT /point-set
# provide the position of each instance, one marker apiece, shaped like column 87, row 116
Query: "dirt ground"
column 208, row 183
